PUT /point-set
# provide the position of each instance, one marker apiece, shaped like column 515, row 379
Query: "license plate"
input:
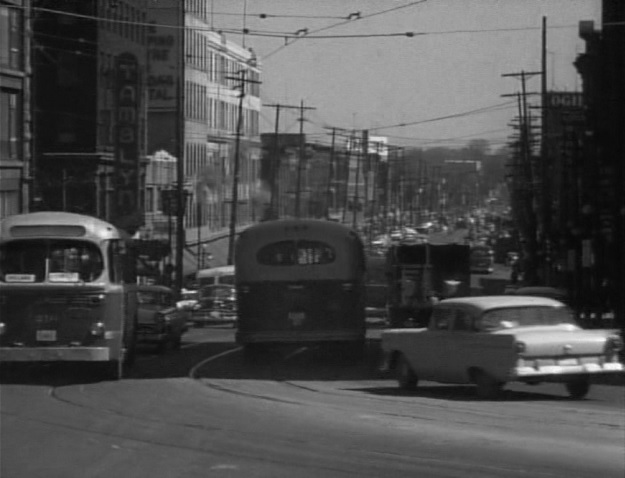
column 46, row 335
column 567, row 362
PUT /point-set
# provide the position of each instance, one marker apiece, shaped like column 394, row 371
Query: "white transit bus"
column 67, row 292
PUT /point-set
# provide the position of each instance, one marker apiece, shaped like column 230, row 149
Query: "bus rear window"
column 50, row 260
column 292, row 253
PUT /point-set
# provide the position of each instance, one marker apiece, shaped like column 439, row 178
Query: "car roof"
column 483, row 303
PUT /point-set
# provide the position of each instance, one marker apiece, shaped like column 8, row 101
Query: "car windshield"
column 506, row 318
column 42, row 260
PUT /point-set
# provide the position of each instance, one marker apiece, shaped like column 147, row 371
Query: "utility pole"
column 528, row 181
column 545, row 170
column 237, row 164
column 365, row 173
column 180, row 143
column 330, row 175
column 333, row 171
column 356, row 196
column 348, row 160
column 275, row 169
column 300, row 161
column 276, row 163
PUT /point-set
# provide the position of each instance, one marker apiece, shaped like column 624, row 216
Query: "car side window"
column 442, row 317
column 463, row 322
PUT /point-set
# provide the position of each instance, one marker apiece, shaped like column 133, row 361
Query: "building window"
column 149, row 199
column 11, row 38
column 9, row 203
column 10, row 124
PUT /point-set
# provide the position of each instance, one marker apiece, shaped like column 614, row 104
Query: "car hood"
column 559, row 340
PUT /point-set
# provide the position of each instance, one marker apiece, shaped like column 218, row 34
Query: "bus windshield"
column 50, row 260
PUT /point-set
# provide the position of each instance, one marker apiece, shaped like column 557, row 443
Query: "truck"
column 421, row 274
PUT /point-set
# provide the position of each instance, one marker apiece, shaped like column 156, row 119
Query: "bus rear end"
column 300, row 282
column 306, row 311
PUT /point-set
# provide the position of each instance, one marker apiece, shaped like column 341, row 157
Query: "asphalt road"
column 206, row 410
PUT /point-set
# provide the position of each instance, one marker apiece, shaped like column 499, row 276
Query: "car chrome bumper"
column 577, row 369
column 54, row 354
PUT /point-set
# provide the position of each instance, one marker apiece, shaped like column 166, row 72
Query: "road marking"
column 195, row 368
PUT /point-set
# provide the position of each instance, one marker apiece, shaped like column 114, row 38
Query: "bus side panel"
column 305, row 311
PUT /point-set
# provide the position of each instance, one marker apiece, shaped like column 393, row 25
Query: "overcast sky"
column 369, row 75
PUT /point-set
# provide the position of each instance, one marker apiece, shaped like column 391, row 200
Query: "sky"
column 443, row 86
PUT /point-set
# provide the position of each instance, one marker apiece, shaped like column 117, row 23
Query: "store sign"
column 163, row 60
column 565, row 99
column 127, row 207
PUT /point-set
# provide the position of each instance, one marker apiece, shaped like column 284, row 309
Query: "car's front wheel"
column 578, row 388
column 406, row 378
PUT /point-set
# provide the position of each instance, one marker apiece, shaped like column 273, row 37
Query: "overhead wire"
column 350, row 19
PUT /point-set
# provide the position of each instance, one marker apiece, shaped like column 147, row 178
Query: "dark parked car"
column 160, row 322
column 216, row 304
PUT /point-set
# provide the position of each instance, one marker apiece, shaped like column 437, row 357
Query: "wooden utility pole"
column 527, row 182
column 237, row 164
column 330, row 175
column 180, row 142
column 300, row 161
column 356, row 195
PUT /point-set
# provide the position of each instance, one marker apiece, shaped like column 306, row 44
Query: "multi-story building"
column 15, row 106
column 196, row 112
column 597, row 238
column 89, row 114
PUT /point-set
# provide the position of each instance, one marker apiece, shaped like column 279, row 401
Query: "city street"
column 205, row 410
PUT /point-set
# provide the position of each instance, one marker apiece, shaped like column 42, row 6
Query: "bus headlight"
column 2, row 327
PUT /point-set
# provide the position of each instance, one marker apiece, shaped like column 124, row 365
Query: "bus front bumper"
column 54, row 354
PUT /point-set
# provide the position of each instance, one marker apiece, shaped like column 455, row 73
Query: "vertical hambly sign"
column 162, row 43
column 127, row 210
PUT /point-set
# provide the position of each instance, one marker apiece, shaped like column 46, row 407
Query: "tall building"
column 196, row 112
column 599, row 223
column 15, row 105
column 89, row 114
